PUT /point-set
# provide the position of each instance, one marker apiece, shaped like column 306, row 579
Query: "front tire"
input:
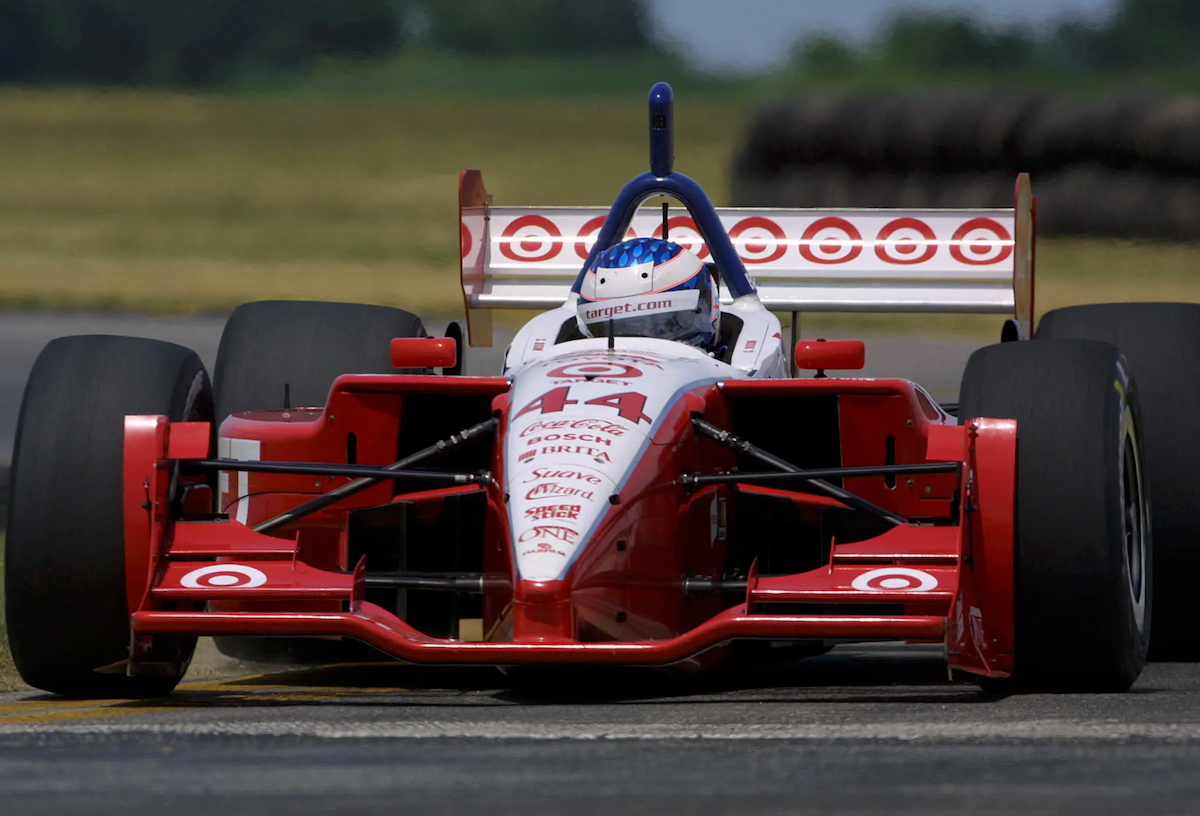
column 305, row 345
column 1084, row 577
column 1161, row 341
column 64, row 581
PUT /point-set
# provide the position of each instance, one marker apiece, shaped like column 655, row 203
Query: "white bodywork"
column 582, row 414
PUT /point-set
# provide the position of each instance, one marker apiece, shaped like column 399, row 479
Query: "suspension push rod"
column 820, row 485
column 439, row 448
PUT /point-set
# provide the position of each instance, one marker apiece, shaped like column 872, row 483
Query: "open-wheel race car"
column 646, row 482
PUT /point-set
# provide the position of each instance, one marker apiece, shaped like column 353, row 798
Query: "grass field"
column 176, row 203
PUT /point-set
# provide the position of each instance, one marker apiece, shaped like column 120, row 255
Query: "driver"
column 649, row 287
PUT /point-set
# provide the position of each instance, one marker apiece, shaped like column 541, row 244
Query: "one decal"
column 224, row 576
column 556, row 532
column 895, row 579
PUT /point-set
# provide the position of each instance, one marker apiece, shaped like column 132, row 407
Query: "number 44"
column 630, row 405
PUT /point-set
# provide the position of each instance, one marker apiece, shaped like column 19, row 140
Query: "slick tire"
column 305, row 345
column 1083, row 572
column 64, row 581
column 1161, row 341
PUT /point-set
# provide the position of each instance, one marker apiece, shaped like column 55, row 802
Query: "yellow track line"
column 241, row 693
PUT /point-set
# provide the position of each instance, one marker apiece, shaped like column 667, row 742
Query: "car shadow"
column 876, row 673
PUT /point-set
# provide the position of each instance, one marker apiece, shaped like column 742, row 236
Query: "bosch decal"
column 570, row 437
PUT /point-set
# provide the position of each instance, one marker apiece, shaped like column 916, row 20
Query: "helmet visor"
column 682, row 316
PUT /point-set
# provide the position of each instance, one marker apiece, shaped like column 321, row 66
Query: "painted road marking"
column 245, row 691
column 1035, row 730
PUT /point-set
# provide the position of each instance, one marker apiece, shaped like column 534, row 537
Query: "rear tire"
column 1161, row 341
column 1084, row 580
column 65, row 595
column 305, row 345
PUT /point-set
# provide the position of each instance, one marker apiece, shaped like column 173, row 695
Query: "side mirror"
column 834, row 355
column 424, row 352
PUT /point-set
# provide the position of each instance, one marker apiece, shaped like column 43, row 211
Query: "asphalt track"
column 862, row 730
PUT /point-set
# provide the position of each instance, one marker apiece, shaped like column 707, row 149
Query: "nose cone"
column 580, row 423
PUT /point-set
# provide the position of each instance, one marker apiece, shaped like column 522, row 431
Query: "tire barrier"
column 1126, row 167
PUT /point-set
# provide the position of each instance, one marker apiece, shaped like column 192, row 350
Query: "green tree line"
column 1141, row 42
column 201, row 43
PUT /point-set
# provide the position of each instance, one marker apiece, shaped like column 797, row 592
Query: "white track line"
column 1037, row 730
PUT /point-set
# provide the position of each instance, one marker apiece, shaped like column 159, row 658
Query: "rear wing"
column 802, row 260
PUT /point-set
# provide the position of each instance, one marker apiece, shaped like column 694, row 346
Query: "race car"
column 655, row 478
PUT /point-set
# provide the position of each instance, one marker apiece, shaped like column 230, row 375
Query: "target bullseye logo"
column 831, row 240
column 464, row 240
column 761, row 239
column 895, row 579
column 906, row 241
column 617, row 371
column 530, row 239
column 981, row 242
column 224, row 576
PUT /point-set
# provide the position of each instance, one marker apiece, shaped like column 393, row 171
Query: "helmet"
column 648, row 287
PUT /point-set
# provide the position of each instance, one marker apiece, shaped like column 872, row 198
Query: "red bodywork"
column 623, row 600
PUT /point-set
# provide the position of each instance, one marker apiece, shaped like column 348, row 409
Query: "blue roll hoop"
column 662, row 130
column 663, row 180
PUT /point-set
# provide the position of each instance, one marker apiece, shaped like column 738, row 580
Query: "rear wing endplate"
column 802, row 260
